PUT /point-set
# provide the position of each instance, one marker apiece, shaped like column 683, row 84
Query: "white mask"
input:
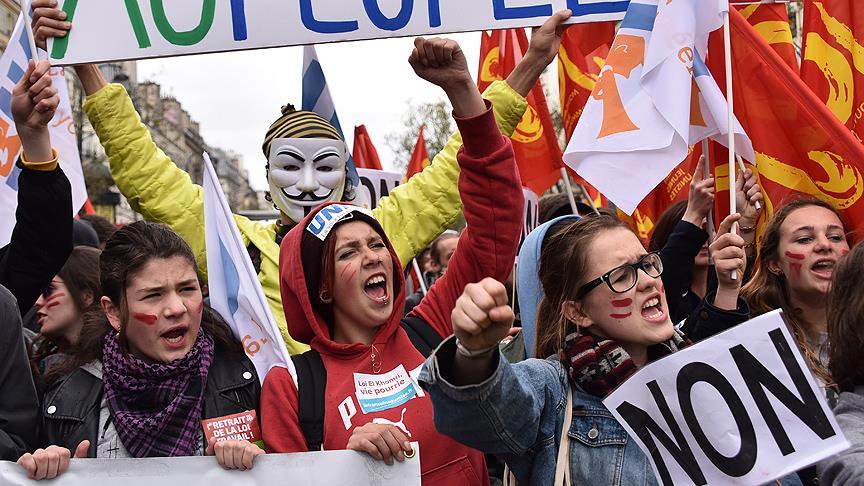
column 305, row 173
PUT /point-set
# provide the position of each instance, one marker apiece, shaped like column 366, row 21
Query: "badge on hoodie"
column 323, row 222
column 240, row 426
column 384, row 391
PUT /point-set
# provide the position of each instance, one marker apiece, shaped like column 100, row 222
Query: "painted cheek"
column 796, row 269
column 622, row 303
column 54, row 297
column 52, row 304
column 201, row 307
column 844, row 252
column 148, row 319
column 345, row 271
column 620, row 316
column 795, row 256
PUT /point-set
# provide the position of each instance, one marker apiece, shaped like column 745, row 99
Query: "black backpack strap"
column 421, row 334
column 311, row 386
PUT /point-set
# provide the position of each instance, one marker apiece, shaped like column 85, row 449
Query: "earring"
column 325, row 297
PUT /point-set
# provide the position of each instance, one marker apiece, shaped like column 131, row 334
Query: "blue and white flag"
column 235, row 292
column 317, row 99
column 13, row 64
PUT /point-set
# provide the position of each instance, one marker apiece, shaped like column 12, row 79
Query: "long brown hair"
column 125, row 254
column 845, row 332
column 666, row 225
column 767, row 291
column 563, row 267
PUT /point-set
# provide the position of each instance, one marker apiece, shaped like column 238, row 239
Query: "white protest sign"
column 375, row 184
column 138, row 29
column 532, row 217
column 739, row 408
column 330, row 468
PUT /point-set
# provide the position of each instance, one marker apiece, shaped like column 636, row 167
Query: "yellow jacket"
column 413, row 215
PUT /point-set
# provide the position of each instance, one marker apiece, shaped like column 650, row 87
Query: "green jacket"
column 413, row 215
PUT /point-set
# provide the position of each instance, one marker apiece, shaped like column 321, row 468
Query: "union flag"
column 801, row 147
column 535, row 142
column 771, row 21
column 832, row 64
column 419, row 158
column 582, row 54
column 365, row 155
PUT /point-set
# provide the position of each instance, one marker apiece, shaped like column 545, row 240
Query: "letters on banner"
column 375, row 184
column 140, row 29
column 739, row 408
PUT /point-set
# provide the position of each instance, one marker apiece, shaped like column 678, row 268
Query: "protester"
column 846, row 345
column 160, row 361
column 104, row 228
column 802, row 243
column 61, row 307
column 604, row 308
column 412, row 216
column 440, row 252
column 19, row 407
column 42, row 238
column 343, row 290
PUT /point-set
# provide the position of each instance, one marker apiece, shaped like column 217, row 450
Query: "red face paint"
column 620, row 316
column 52, row 304
column 55, row 296
column 844, row 252
column 201, row 307
column 795, row 256
column 347, row 267
column 622, row 303
column 148, row 319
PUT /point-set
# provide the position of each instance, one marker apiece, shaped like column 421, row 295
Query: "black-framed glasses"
column 623, row 278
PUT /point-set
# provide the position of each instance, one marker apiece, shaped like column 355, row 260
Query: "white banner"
column 331, row 468
column 532, row 216
column 739, row 408
column 375, row 184
column 136, row 29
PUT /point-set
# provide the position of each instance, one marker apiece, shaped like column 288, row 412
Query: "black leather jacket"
column 70, row 411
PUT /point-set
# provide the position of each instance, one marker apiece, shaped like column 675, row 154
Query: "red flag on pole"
column 365, row 155
column 535, row 142
column 419, row 158
column 582, row 54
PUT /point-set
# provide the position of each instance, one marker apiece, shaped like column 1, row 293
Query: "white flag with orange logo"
column 13, row 64
column 654, row 99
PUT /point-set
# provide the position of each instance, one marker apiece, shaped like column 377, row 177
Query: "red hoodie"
column 492, row 198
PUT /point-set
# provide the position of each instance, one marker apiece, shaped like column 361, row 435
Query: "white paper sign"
column 137, row 29
column 739, row 408
column 330, row 468
column 375, row 184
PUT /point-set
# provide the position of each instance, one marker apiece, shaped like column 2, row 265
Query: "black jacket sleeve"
column 42, row 239
column 707, row 320
column 678, row 256
column 19, row 406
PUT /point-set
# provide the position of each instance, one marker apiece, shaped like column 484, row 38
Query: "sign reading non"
column 739, row 408
column 141, row 29
column 375, row 184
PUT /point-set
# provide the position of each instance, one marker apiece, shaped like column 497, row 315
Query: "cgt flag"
column 13, row 63
column 771, row 21
column 654, row 99
column 833, row 58
column 538, row 153
column 419, row 158
column 235, row 292
column 365, row 155
column 582, row 54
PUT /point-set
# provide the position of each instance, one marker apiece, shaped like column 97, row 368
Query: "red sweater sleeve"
column 280, row 426
column 491, row 192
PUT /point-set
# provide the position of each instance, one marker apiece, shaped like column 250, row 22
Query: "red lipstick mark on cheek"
column 148, row 319
column 52, row 304
column 795, row 256
column 54, row 297
column 620, row 316
column 345, row 270
column 622, row 303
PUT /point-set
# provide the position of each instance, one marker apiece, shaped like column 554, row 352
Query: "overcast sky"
column 236, row 96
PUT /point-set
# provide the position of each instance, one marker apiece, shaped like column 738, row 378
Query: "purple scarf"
column 156, row 407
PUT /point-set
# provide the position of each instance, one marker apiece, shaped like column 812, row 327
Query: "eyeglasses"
column 623, row 278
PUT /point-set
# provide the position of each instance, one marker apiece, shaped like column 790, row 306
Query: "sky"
column 236, row 96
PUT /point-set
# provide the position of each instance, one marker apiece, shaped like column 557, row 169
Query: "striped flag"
column 13, row 64
column 235, row 292
column 316, row 98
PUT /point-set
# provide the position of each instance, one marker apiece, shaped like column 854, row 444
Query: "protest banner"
column 532, row 217
column 140, row 29
column 739, row 408
column 375, row 184
column 330, row 468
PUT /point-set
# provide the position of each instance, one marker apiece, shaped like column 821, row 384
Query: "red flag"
column 419, row 158
column 832, row 64
column 801, row 147
column 538, row 154
column 365, row 155
column 582, row 54
column 771, row 21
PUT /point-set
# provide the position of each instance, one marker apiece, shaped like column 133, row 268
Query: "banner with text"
column 138, row 29
column 375, row 184
column 739, row 408
column 330, row 468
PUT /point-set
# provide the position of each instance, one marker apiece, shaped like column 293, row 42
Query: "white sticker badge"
column 384, row 391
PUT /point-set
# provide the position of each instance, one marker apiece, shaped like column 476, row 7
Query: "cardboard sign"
column 739, row 408
column 240, row 426
column 375, row 184
column 138, row 29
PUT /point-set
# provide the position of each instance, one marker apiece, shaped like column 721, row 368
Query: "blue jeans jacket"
column 517, row 414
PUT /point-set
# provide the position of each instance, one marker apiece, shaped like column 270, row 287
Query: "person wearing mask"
column 412, row 215
column 343, row 290
column 158, row 362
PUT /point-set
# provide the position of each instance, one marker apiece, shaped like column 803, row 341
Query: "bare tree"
column 439, row 126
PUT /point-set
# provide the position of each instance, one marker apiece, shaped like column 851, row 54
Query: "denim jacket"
column 518, row 413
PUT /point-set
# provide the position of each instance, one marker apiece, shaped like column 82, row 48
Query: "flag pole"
column 25, row 11
column 590, row 201
column 730, row 127
column 569, row 188
column 741, row 166
column 419, row 276
column 706, row 173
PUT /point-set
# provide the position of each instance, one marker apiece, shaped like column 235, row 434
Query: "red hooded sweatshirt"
column 362, row 388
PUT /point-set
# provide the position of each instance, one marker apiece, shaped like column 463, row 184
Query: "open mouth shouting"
column 175, row 337
column 823, row 268
column 376, row 288
column 652, row 310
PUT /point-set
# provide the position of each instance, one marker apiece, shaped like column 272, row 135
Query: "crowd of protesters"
column 123, row 357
